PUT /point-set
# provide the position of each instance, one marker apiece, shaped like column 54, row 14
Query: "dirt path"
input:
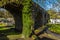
column 47, row 36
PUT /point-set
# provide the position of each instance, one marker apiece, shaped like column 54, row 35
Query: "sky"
column 3, row 10
column 49, row 4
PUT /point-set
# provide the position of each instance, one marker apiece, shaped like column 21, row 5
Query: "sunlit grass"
column 3, row 28
column 3, row 24
column 55, row 28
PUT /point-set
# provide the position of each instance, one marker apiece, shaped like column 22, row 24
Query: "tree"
column 5, row 14
column 52, row 13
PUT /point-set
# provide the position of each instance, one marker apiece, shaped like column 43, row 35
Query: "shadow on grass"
column 3, row 37
column 11, row 31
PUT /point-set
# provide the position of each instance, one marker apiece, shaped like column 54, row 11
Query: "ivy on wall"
column 27, row 18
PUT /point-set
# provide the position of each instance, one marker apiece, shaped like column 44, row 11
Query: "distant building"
column 54, row 21
column 8, row 21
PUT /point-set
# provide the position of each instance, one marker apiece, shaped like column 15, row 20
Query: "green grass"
column 10, row 33
column 55, row 28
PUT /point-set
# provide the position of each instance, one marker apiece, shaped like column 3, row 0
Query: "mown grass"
column 55, row 28
column 9, row 33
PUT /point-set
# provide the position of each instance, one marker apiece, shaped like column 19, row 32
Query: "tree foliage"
column 5, row 14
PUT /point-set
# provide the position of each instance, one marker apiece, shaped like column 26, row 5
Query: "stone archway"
column 16, row 11
column 37, row 12
column 40, row 16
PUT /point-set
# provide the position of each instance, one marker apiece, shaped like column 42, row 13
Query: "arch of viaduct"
column 15, row 8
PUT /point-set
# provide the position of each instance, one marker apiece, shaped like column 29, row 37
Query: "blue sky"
column 3, row 10
column 47, row 4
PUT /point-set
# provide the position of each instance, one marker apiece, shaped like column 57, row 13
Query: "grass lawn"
column 9, row 33
column 55, row 28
